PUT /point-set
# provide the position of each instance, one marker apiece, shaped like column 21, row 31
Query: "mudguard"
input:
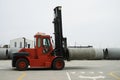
column 18, row 55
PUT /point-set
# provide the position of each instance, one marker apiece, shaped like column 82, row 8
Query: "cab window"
column 46, row 42
column 46, row 45
column 38, row 42
column 34, row 42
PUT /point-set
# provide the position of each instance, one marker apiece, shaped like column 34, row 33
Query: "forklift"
column 43, row 55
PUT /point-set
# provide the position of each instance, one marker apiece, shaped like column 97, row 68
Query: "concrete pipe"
column 3, row 53
column 113, row 53
column 81, row 53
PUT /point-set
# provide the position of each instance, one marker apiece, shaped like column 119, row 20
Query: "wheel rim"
column 22, row 64
column 59, row 64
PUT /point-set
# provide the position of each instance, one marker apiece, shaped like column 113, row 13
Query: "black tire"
column 21, row 64
column 58, row 64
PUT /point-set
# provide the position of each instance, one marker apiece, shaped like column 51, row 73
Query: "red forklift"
column 43, row 55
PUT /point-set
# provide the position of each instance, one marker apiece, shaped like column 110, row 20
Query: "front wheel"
column 21, row 64
column 58, row 64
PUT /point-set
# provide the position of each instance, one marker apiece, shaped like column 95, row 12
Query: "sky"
column 85, row 22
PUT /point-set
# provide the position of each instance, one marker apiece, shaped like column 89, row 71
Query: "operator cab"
column 43, row 42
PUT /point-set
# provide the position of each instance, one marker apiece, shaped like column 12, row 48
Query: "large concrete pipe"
column 85, row 53
column 81, row 53
column 3, row 53
column 112, row 53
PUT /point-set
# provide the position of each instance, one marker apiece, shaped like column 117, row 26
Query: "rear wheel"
column 58, row 64
column 21, row 64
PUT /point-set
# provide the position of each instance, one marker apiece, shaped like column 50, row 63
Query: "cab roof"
column 40, row 34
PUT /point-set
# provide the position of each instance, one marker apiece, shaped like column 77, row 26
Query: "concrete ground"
column 74, row 70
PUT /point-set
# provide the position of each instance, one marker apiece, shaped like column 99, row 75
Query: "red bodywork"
column 38, row 57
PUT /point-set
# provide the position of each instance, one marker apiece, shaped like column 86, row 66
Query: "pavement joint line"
column 22, row 76
column 68, row 75
column 114, row 75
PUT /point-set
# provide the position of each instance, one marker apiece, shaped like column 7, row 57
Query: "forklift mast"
column 60, row 41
